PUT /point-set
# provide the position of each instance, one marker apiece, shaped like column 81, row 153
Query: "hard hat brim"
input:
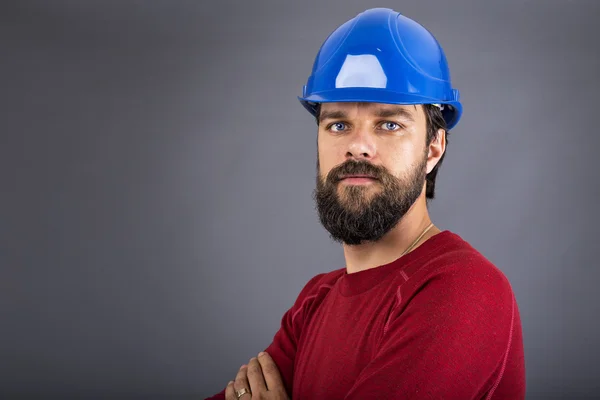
column 452, row 112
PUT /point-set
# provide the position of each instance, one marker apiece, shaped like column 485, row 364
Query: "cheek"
column 398, row 160
column 329, row 157
column 325, row 164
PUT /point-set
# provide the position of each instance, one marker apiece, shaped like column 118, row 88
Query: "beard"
column 353, row 214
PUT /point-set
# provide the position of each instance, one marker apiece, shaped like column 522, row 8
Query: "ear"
column 436, row 150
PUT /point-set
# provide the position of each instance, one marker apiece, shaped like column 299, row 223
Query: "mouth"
column 357, row 176
column 357, row 179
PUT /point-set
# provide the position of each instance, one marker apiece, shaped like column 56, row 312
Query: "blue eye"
column 337, row 126
column 390, row 126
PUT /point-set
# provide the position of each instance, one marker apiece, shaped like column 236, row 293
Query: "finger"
column 230, row 392
column 255, row 376
column 241, row 382
column 270, row 372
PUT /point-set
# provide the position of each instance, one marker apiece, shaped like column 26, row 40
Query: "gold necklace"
column 417, row 240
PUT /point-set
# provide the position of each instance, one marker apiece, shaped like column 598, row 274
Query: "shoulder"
column 458, row 274
column 320, row 282
column 458, row 259
column 311, row 296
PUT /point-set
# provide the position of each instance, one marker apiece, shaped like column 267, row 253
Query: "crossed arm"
column 445, row 343
column 260, row 379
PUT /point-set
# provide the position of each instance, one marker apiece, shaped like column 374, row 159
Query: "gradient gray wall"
column 156, row 171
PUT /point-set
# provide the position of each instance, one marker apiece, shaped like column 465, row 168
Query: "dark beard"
column 359, row 215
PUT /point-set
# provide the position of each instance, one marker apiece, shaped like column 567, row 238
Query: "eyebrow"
column 395, row 112
column 381, row 113
column 324, row 115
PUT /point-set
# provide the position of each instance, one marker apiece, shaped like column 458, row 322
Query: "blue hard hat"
column 382, row 56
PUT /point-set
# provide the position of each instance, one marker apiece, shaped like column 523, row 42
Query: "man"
column 417, row 313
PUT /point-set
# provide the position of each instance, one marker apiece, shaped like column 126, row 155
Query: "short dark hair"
column 435, row 121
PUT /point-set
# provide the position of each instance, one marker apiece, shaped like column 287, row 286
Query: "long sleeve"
column 451, row 340
column 284, row 345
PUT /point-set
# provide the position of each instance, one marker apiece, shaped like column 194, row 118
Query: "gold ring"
column 240, row 393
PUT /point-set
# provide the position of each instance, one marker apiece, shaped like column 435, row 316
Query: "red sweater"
column 439, row 323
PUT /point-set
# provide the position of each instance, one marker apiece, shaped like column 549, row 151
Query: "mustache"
column 352, row 167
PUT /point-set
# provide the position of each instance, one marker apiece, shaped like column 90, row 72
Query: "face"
column 372, row 163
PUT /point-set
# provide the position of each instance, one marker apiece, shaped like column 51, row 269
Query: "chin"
column 356, row 203
column 358, row 191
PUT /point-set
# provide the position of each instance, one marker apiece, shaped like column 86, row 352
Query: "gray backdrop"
column 156, row 170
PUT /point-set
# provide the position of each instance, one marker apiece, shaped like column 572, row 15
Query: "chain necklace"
column 417, row 240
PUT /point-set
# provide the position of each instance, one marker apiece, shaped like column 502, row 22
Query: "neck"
column 389, row 248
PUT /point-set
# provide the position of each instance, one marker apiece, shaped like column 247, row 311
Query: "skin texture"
column 393, row 138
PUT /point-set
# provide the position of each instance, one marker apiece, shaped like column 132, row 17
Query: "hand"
column 260, row 378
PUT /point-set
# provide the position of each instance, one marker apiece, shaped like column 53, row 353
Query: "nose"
column 361, row 145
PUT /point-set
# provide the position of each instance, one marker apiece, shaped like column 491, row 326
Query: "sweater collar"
column 361, row 281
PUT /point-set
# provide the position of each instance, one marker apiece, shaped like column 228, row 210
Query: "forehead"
column 412, row 111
